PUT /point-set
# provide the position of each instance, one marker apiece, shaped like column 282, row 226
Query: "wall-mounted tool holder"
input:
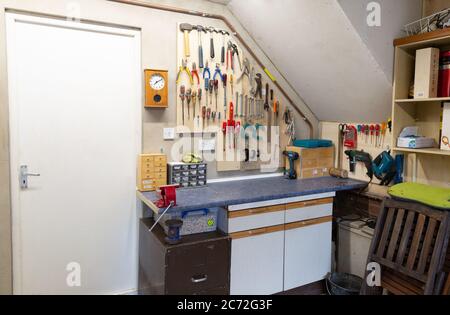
column 156, row 88
column 215, row 75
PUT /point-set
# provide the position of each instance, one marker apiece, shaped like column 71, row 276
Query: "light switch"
column 169, row 133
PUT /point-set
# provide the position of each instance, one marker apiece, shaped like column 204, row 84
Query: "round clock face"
column 157, row 82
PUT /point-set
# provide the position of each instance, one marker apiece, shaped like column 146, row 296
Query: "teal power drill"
column 360, row 156
column 292, row 156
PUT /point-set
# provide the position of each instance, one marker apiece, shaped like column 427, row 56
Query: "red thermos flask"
column 444, row 74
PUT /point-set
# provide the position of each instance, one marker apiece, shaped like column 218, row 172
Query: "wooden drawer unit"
column 199, row 265
column 255, row 218
column 152, row 171
column 312, row 162
column 310, row 209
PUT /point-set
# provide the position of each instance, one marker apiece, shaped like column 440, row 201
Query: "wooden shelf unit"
column 428, row 165
column 424, row 113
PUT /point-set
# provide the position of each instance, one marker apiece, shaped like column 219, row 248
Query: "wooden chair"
column 410, row 244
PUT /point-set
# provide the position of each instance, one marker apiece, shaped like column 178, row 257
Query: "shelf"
column 423, row 100
column 434, row 151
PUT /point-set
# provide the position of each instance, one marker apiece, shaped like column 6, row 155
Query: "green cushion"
column 435, row 197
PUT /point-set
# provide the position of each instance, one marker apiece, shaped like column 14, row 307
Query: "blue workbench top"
column 252, row 190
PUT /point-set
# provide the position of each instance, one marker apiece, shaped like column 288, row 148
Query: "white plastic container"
column 194, row 221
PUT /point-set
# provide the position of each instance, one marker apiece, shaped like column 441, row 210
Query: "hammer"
column 186, row 28
column 211, row 46
column 200, row 29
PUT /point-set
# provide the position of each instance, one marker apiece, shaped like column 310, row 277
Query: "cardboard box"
column 445, row 138
column 427, row 73
column 312, row 162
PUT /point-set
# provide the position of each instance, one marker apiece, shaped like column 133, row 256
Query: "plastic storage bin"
column 194, row 221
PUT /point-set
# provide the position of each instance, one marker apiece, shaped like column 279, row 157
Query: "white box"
column 445, row 138
column 427, row 73
column 415, row 143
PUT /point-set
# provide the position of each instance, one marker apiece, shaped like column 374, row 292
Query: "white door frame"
column 11, row 20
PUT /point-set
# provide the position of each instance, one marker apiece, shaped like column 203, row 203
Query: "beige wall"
column 433, row 6
column 158, row 51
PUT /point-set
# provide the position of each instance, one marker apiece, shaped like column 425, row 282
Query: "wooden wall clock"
column 156, row 88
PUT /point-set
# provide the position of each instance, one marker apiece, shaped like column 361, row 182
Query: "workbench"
column 224, row 194
column 280, row 229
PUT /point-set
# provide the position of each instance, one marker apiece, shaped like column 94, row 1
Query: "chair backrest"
column 411, row 239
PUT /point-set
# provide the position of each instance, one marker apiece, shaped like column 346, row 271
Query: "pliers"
column 246, row 70
column 218, row 72
column 206, row 71
column 194, row 72
column 184, row 68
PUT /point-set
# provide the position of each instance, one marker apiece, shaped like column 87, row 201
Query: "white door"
column 75, row 93
column 307, row 255
column 257, row 264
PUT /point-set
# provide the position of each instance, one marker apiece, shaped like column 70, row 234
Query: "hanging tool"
column 383, row 133
column 224, row 81
column 351, row 137
column 206, row 91
column 222, row 56
column 200, row 29
column 360, row 156
column 372, row 133
column 210, row 89
column 186, row 28
column 236, row 52
column 245, row 71
column 182, row 96
column 194, row 73
column 266, row 103
column 230, row 56
column 199, row 96
column 216, row 93
column 384, row 168
column 377, row 134
column 194, row 102
column 237, row 105
column 289, row 121
column 188, row 99
column 212, row 53
column 227, row 126
column 232, row 84
column 242, row 106
column 184, row 68
column 217, row 72
column 258, row 91
column 206, row 72
column 367, row 132
column 342, row 130
column 203, row 118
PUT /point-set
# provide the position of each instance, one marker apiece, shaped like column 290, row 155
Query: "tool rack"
column 248, row 108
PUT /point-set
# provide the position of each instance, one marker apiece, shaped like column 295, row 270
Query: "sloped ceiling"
column 320, row 52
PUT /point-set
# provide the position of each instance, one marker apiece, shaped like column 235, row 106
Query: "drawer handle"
column 199, row 280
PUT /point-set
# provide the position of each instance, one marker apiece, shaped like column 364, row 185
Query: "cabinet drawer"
column 159, row 169
column 311, row 209
column 198, row 268
column 146, row 159
column 160, row 159
column 255, row 218
column 160, row 176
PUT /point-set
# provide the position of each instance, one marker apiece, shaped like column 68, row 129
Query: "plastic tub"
column 194, row 221
column 343, row 284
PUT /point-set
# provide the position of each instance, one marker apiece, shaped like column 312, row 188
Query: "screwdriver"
column 203, row 117
column 372, row 132
column 377, row 134
column 367, row 131
column 216, row 90
column 210, row 89
column 224, row 80
column 383, row 132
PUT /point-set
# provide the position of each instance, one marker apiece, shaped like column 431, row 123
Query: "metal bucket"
column 343, row 284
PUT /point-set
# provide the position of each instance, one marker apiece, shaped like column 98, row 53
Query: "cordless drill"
column 292, row 156
column 360, row 156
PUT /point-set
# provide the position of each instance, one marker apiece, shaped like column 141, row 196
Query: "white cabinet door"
column 257, row 264
column 307, row 253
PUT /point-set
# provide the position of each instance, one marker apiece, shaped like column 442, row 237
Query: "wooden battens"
column 426, row 247
column 309, row 203
column 254, row 211
column 415, row 244
column 282, row 227
column 296, row 225
column 405, row 239
column 266, row 230
column 395, row 234
column 385, row 234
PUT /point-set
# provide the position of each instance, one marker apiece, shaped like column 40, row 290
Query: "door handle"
column 24, row 176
